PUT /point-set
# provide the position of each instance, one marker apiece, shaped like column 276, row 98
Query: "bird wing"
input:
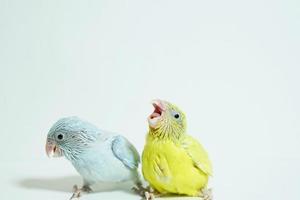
column 197, row 153
column 125, row 152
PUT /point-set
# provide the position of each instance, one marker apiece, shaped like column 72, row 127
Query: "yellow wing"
column 197, row 153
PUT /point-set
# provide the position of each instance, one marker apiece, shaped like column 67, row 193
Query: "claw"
column 149, row 196
column 77, row 191
column 87, row 189
column 147, row 193
column 206, row 194
column 139, row 189
column 75, row 188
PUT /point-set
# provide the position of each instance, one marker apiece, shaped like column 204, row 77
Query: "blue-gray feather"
column 74, row 124
column 126, row 152
column 96, row 154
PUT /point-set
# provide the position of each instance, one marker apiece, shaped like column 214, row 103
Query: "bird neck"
column 73, row 151
column 166, row 133
column 74, row 154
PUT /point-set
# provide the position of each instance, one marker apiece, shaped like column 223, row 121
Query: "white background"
column 232, row 66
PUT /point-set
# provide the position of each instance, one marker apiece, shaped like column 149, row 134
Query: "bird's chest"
column 169, row 169
column 163, row 160
column 99, row 164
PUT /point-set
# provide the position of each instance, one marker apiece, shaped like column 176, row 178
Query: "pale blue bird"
column 98, row 156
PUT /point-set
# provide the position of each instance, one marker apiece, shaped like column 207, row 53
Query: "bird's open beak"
column 156, row 115
column 52, row 149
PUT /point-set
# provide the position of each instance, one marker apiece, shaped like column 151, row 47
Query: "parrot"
column 99, row 156
column 173, row 162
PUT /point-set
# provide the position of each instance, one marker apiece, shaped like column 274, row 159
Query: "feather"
column 125, row 152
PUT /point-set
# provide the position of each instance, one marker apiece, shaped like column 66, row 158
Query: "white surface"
column 232, row 66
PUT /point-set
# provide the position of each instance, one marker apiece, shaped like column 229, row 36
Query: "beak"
column 159, row 104
column 156, row 116
column 52, row 149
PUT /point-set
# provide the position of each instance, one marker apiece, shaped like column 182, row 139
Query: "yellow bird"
column 172, row 161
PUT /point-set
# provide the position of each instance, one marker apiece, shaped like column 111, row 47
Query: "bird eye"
column 176, row 116
column 60, row 137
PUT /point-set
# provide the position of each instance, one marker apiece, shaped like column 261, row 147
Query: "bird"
column 99, row 156
column 174, row 162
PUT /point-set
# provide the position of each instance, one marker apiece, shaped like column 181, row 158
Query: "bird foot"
column 139, row 189
column 206, row 194
column 147, row 193
column 86, row 189
column 77, row 191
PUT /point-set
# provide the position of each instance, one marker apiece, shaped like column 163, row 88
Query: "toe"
column 149, row 196
column 75, row 188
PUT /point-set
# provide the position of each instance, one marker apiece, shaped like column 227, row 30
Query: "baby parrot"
column 173, row 162
column 98, row 156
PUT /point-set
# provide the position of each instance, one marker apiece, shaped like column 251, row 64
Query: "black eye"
column 60, row 136
column 176, row 116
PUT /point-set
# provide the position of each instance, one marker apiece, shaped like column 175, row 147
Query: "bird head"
column 166, row 119
column 69, row 137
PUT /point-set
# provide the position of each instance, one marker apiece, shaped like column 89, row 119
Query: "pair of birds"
column 173, row 162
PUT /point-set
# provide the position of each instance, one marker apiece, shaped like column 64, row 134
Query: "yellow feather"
column 175, row 163
column 197, row 153
column 169, row 168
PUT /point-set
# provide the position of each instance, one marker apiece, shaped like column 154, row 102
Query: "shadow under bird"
column 98, row 156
